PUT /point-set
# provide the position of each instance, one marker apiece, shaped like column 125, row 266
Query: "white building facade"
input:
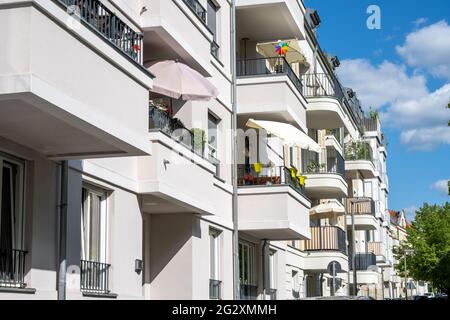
column 131, row 191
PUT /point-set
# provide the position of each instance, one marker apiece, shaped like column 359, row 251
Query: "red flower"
column 137, row 48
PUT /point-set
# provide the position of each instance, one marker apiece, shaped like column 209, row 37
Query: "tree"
column 429, row 239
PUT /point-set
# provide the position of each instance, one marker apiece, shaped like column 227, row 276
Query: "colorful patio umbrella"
column 282, row 48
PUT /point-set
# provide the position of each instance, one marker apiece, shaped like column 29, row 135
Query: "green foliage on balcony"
column 358, row 151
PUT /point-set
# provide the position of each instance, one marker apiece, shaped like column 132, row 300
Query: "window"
column 272, row 269
column 246, row 263
column 213, row 127
column 11, row 203
column 93, row 224
column 12, row 256
column 214, row 236
column 214, row 282
column 212, row 18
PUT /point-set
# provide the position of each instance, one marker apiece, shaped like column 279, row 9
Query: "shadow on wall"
column 170, row 238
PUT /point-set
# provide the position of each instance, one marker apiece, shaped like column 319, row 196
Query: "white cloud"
column 405, row 101
column 420, row 21
column 441, row 186
column 428, row 49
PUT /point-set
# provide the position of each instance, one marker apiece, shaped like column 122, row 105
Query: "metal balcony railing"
column 363, row 261
column 268, row 67
column 327, row 238
column 12, row 268
column 197, row 9
column 360, row 206
column 174, row 128
column 358, row 151
column 248, row 292
column 94, row 277
column 316, row 85
column 215, row 287
column 102, row 20
column 268, row 176
column 312, row 165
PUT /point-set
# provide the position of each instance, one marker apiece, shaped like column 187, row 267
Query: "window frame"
column 18, row 198
column 102, row 251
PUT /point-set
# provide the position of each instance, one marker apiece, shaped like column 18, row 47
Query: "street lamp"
column 407, row 251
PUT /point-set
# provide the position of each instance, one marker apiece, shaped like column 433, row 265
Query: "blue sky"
column 402, row 69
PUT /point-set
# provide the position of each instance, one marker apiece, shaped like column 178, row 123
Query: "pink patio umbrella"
column 176, row 80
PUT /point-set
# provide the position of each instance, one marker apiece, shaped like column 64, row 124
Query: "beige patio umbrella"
column 177, row 80
column 294, row 54
column 290, row 134
column 327, row 209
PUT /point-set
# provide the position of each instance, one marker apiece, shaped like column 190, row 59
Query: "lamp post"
column 407, row 251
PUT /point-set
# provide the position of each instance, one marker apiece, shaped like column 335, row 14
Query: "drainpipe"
column 236, row 293
column 265, row 274
column 63, row 230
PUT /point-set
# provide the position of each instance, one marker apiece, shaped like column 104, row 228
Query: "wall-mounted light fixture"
column 138, row 265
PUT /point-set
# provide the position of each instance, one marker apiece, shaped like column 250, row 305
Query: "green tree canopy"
column 429, row 238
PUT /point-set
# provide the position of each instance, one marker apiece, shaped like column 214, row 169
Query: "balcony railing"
column 215, row 287
column 337, row 134
column 363, row 261
column 318, row 85
column 197, row 9
column 215, row 49
column 268, row 176
column 375, row 247
column 358, row 151
column 360, row 206
column 371, row 124
column 327, row 238
column 268, row 67
column 94, row 277
column 172, row 127
column 102, row 20
column 12, row 268
column 248, row 292
column 311, row 164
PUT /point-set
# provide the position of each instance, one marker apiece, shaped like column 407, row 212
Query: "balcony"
column 102, row 20
column 378, row 249
column 12, row 269
column 260, row 19
column 177, row 29
column 326, row 244
column 248, row 292
column 334, row 139
column 179, row 176
column 324, row 180
column 215, row 288
column 100, row 109
column 363, row 261
column 94, row 278
column 272, row 203
column 363, row 210
column 269, row 88
column 359, row 158
column 324, row 94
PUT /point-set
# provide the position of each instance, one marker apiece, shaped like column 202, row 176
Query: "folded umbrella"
column 177, row 80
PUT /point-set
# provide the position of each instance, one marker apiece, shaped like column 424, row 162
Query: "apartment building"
column 130, row 189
